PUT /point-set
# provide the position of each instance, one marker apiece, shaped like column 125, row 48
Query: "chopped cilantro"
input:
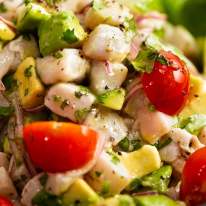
column 43, row 179
column 69, row 36
column 64, row 104
column 81, row 114
column 81, row 92
column 98, row 174
column 145, row 60
column 28, row 71
column 105, row 188
column 124, row 144
column 130, row 25
column 159, row 145
column 6, row 111
column 162, row 60
column 58, row 55
column 127, row 145
column 114, row 157
column 151, row 107
column 57, row 98
column 43, row 198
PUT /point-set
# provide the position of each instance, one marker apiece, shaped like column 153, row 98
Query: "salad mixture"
column 102, row 103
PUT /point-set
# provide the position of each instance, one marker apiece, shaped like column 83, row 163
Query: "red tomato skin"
column 59, row 147
column 167, row 87
column 5, row 202
column 193, row 186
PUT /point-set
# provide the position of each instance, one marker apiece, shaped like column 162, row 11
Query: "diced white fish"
column 108, row 123
column 110, row 174
column 15, row 51
column 6, row 185
column 64, row 66
column 106, row 43
column 102, row 80
column 112, row 13
column 70, row 101
column 76, row 6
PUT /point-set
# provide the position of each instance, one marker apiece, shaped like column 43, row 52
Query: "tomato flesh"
column 59, row 147
column 167, row 86
column 193, row 187
column 5, row 202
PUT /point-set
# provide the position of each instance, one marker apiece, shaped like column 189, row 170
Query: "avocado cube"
column 61, row 30
column 113, row 99
column 118, row 200
column 155, row 200
column 143, row 161
column 197, row 98
column 159, row 179
column 80, row 192
column 6, row 33
column 30, row 16
column 30, row 89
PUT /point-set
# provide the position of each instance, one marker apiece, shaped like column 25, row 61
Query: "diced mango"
column 142, row 161
column 80, row 192
column 6, row 34
column 30, row 89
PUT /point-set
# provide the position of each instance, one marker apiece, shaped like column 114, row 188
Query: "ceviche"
column 102, row 103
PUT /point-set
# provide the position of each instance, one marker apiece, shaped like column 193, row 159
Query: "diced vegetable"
column 118, row 200
column 60, row 146
column 194, row 123
column 113, row 99
column 155, row 200
column 159, row 179
column 6, row 33
column 30, row 89
column 30, row 16
column 80, row 192
column 142, row 161
column 61, row 30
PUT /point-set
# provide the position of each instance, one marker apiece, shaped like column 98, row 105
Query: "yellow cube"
column 31, row 90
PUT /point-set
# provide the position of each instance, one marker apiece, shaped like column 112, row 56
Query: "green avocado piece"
column 80, row 192
column 113, row 99
column 155, row 200
column 118, row 200
column 61, row 30
column 30, row 16
column 159, row 179
column 194, row 123
column 142, row 5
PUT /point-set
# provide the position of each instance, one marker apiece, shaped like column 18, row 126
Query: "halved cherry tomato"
column 167, row 86
column 193, row 187
column 60, row 147
column 5, row 202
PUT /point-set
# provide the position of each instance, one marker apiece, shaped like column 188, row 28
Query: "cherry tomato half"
column 60, row 147
column 5, row 202
column 167, row 86
column 193, row 187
